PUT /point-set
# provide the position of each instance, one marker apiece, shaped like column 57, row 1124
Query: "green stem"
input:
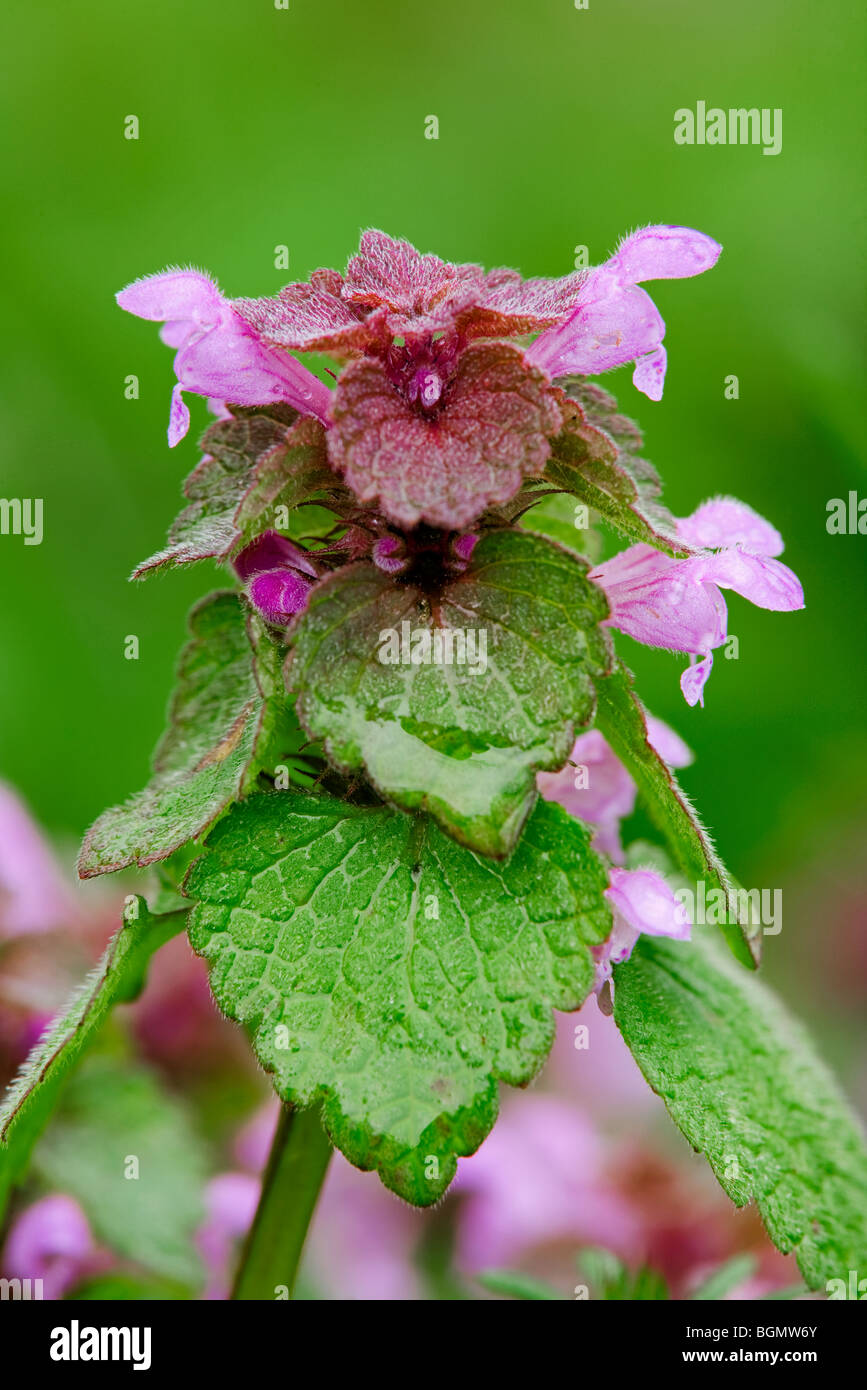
column 290, row 1189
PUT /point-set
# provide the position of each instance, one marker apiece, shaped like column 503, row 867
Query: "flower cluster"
column 438, row 412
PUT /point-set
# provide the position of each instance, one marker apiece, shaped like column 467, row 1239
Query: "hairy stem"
column 290, row 1189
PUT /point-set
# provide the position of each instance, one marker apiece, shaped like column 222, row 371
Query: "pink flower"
column 389, row 555
column 363, row 1240
column 433, row 424
column 231, row 1200
column 540, row 1178
column 677, row 604
column 52, row 1241
column 437, row 417
column 278, row 576
column 614, row 321
column 218, row 356
column 595, row 786
column 642, row 902
column 33, row 896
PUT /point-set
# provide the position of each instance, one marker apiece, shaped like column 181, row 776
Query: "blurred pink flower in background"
column 52, row 1241
column 33, row 894
column 230, row 1200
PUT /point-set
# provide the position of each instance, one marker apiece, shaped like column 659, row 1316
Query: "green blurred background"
column 261, row 127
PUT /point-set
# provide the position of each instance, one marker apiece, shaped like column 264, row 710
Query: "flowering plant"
column 387, row 808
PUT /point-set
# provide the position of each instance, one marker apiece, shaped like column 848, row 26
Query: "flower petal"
column 618, row 326
column 279, row 595
column 185, row 295
column 765, row 582
column 179, row 417
column 609, row 793
column 230, row 364
column 662, row 602
column 668, row 744
column 389, row 555
column 694, row 679
column 647, row 904
column 271, row 551
column 724, row 521
column 51, row 1240
column 649, row 374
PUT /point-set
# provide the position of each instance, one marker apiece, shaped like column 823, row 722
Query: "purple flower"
column 677, row 604
column 218, row 356
column 642, row 902
column 614, row 321
column 389, row 555
column 278, row 576
column 51, row 1241
column 596, row 787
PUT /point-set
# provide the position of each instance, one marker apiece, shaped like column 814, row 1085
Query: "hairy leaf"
column 226, row 722
column 621, row 718
column 740, row 1079
column 439, row 736
column 126, row 1151
column 391, row 975
column 445, row 466
column 253, row 465
column 588, row 462
column 28, row 1103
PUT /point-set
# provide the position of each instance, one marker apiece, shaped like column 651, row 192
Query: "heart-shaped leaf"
column 378, row 672
column 444, row 466
column 390, row 974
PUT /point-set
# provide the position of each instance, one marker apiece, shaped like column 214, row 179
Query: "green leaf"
column 606, row 475
column 513, row 1284
column 390, row 974
column 253, row 465
column 125, row 1150
column 435, row 736
column 725, row 1279
column 554, row 515
column 128, row 1288
column 228, row 719
column 610, row 1280
column 28, row 1103
column 621, row 718
column 741, row 1080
